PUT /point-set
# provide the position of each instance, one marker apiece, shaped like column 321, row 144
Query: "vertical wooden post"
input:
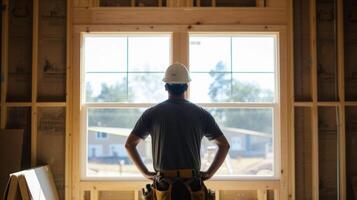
column 75, row 114
column 35, row 44
column 314, row 109
column 261, row 3
column 217, row 195
column 68, row 130
column 214, row 3
column 262, row 194
column 291, row 100
column 341, row 93
column 4, row 61
column 136, row 195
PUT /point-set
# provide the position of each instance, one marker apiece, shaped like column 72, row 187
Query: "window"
column 233, row 76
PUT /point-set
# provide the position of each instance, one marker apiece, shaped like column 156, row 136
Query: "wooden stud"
column 261, row 3
column 214, row 3
column 290, row 100
column 136, row 195
column 326, row 103
column 35, row 44
column 217, row 195
column 341, row 93
column 75, row 115
column 283, row 139
column 314, row 110
column 94, row 193
column 351, row 103
column 303, row 104
column 276, row 195
column 262, row 194
column 18, row 104
column 4, row 61
column 68, row 135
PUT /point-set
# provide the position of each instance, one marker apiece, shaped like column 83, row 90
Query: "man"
column 176, row 127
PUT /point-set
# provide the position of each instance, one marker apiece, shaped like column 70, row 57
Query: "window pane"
column 249, row 132
column 150, row 53
column 105, row 54
column 253, row 54
column 253, row 87
column 210, row 54
column 108, row 157
column 106, row 87
column 146, row 87
column 210, row 87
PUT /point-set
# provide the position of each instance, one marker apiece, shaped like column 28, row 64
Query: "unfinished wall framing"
column 33, row 86
column 324, row 84
column 324, row 78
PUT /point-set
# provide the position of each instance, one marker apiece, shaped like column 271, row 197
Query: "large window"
column 234, row 76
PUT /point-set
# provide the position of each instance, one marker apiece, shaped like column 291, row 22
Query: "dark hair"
column 176, row 89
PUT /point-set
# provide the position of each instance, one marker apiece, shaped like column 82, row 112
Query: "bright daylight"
column 230, row 68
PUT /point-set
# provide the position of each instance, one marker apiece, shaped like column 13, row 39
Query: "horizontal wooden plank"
column 328, row 103
column 223, row 29
column 303, row 104
column 18, row 104
column 248, row 16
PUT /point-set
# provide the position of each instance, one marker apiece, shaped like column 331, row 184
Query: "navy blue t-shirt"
column 176, row 127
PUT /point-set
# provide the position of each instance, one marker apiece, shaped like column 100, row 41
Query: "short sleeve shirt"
column 176, row 127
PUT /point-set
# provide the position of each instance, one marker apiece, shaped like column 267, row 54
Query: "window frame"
column 181, row 55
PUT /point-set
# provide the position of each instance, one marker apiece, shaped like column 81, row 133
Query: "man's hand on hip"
column 150, row 175
column 206, row 175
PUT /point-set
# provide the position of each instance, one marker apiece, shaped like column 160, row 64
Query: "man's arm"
column 130, row 146
column 223, row 147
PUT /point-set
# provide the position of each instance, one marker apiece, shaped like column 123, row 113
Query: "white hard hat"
column 177, row 73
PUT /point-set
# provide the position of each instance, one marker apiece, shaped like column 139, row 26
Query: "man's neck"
column 174, row 97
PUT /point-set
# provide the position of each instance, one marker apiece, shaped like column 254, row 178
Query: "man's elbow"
column 129, row 145
column 226, row 146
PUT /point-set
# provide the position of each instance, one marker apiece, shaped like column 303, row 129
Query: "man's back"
column 176, row 127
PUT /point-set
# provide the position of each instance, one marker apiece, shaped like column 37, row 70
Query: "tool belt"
column 183, row 184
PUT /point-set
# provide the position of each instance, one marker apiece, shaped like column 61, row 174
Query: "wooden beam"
column 341, row 93
column 35, row 44
column 351, row 103
column 282, row 140
column 219, row 29
column 75, row 115
column 327, row 104
column 68, row 128
column 291, row 100
column 152, row 16
column 314, row 109
column 4, row 61
column 303, row 104
column 261, row 3
column 18, row 104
